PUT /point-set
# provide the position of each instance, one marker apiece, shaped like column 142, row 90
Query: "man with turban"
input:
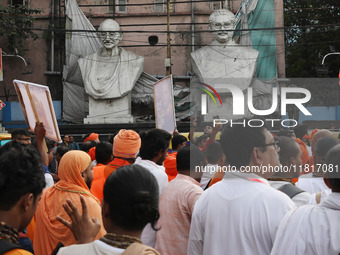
column 92, row 137
column 75, row 172
column 126, row 145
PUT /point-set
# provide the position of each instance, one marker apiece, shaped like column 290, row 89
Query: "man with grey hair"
column 109, row 75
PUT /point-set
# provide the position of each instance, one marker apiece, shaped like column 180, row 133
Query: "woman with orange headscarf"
column 75, row 172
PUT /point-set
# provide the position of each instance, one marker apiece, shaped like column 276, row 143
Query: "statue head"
column 109, row 33
column 219, row 22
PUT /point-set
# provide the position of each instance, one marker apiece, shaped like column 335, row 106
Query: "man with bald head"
column 109, row 75
column 321, row 144
column 321, row 133
column 290, row 158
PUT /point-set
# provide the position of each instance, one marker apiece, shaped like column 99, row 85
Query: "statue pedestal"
column 110, row 111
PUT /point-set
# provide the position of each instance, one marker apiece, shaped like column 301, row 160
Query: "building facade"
column 144, row 23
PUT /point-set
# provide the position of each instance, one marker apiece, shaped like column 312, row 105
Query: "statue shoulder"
column 128, row 54
column 88, row 57
column 200, row 52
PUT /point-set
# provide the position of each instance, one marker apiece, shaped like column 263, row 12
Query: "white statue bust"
column 222, row 62
column 224, row 58
column 109, row 75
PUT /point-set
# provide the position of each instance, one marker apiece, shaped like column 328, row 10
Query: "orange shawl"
column 98, row 181
column 49, row 231
column 170, row 164
column 113, row 165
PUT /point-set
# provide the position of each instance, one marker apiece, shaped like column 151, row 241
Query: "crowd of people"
column 249, row 192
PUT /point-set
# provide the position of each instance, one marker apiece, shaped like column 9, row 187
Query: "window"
column 161, row 6
column 117, row 4
column 216, row 5
column 19, row 2
column 121, row 8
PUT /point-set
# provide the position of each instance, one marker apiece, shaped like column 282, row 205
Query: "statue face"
column 219, row 28
column 109, row 39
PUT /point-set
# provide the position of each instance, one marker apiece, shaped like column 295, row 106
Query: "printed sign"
column 36, row 104
column 164, row 104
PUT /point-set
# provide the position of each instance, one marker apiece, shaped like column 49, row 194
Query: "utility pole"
column 167, row 61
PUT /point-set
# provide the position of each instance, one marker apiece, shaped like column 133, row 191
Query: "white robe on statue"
column 310, row 229
column 124, row 73
column 238, row 215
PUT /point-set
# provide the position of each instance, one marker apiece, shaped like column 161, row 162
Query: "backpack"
column 290, row 190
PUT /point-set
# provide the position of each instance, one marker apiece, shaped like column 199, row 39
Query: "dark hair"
column 132, row 194
column 153, row 141
column 103, row 152
column 201, row 138
column 288, row 148
column 300, row 131
column 188, row 157
column 214, row 152
column 333, row 174
column 49, row 144
column 238, row 143
column 178, row 140
column 88, row 145
column 61, row 150
column 21, row 172
column 20, row 132
column 324, row 144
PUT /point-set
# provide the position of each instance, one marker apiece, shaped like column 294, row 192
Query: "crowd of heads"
column 131, row 193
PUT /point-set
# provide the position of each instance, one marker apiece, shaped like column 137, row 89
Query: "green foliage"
column 16, row 23
column 312, row 31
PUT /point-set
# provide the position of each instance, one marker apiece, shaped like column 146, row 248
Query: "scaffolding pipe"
column 192, row 27
column 52, row 39
column 168, row 68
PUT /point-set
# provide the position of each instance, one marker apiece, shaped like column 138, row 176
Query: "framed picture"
column 164, row 104
column 36, row 104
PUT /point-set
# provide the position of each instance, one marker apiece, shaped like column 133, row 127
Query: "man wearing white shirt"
column 290, row 158
column 313, row 182
column 240, row 214
column 153, row 152
column 314, row 229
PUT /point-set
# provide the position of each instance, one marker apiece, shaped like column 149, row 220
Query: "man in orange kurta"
column 178, row 141
column 103, row 157
column 75, row 172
